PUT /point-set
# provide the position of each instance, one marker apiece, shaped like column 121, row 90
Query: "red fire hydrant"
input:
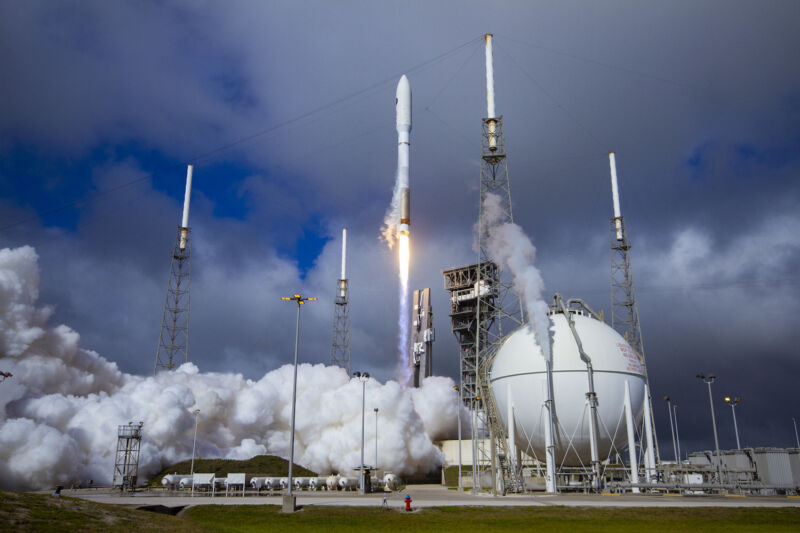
column 408, row 502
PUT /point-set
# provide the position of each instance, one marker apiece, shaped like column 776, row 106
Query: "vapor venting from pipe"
column 511, row 249
column 60, row 411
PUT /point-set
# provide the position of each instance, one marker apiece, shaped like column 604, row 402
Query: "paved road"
column 436, row 496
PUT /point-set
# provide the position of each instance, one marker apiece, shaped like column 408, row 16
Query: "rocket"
column 403, row 123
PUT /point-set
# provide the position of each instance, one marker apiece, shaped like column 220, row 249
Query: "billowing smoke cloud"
column 60, row 410
column 511, row 249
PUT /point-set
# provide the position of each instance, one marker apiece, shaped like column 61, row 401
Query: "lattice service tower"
column 126, row 460
column 485, row 308
column 624, row 308
column 173, row 341
column 340, row 343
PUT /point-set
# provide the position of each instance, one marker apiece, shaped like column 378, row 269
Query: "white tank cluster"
column 272, row 484
column 518, row 375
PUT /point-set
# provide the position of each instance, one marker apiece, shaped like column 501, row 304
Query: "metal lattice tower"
column 496, row 306
column 126, row 461
column 173, row 340
column 340, row 343
column 624, row 307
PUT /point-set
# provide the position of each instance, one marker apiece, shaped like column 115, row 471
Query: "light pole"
column 362, row 377
column 677, row 433
column 300, row 301
column 376, row 441
column 458, row 415
column 732, row 402
column 796, row 438
column 708, row 380
column 672, row 429
column 194, row 443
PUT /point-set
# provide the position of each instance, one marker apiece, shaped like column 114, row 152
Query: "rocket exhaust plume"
column 396, row 224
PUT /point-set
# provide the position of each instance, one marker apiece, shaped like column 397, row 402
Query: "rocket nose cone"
column 403, row 103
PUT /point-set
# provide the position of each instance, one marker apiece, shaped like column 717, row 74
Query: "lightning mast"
column 485, row 308
column 624, row 308
column 340, row 343
column 173, row 341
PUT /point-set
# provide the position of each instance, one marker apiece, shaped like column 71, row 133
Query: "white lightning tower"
column 173, row 341
column 340, row 343
column 624, row 308
column 485, row 308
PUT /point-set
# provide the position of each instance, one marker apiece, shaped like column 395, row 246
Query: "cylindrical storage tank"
column 332, row 482
column 300, row 482
column 284, row 483
column 519, row 369
column 315, row 483
column 348, row 483
column 186, row 482
column 258, row 483
column 272, row 483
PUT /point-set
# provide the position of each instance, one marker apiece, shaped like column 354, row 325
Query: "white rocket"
column 403, row 122
column 185, row 218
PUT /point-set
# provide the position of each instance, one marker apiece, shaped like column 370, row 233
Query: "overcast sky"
column 287, row 111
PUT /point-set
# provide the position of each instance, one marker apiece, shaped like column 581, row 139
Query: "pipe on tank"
column 649, row 458
column 549, row 436
column 631, row 437
column 591, row 396
column 612, row 161
column 490, row 111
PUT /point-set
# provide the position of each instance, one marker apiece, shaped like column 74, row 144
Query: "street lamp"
column 458, row 415
column 677, row 433
column 708, row 380
column 796, row 438
column 362, row 377
column 194, row 444
column 300, row 302
column 732, row 402
column 672, row 428
column 376, row 441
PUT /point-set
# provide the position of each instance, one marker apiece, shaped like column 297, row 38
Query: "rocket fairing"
column 403, row 123
column 186, row 197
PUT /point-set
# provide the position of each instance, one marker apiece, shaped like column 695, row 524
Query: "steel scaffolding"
column 173, row 341
column 126, row 462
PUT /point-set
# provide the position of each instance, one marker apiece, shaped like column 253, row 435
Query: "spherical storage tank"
column 518, row 372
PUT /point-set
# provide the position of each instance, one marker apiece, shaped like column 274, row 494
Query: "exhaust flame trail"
column 403, row 259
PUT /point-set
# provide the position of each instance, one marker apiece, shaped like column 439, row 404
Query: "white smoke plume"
column 392, row 216
column 60, row 411
column 511, row 249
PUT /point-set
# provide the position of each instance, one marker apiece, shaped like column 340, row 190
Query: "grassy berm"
column 24, row 511
column 260, row 465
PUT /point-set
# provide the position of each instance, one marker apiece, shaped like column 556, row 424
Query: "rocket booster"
column 403, row 123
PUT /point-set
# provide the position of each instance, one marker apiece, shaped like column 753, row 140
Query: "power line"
column 205, row 155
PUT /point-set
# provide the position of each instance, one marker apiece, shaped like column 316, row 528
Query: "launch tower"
column 624, row 308
column 485, row 308
column 173, row 341
column 422, row 337
column 340, row 343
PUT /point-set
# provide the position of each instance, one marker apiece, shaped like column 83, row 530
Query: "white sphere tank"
column 519, row 372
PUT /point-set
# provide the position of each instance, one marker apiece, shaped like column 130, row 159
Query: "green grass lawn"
column 21, row 511
column 486, row 519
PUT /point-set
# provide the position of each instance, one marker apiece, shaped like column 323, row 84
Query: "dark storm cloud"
column 700, row 102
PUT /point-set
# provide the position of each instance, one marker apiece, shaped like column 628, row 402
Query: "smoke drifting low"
column 511, row 249
column 60, row 411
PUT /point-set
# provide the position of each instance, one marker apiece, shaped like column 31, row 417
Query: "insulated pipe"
column 615, row 195
column 549, row 435
column 186, row 197
column 631, row 437
column 650, row 457
column 512, row 445
column 591, row 396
